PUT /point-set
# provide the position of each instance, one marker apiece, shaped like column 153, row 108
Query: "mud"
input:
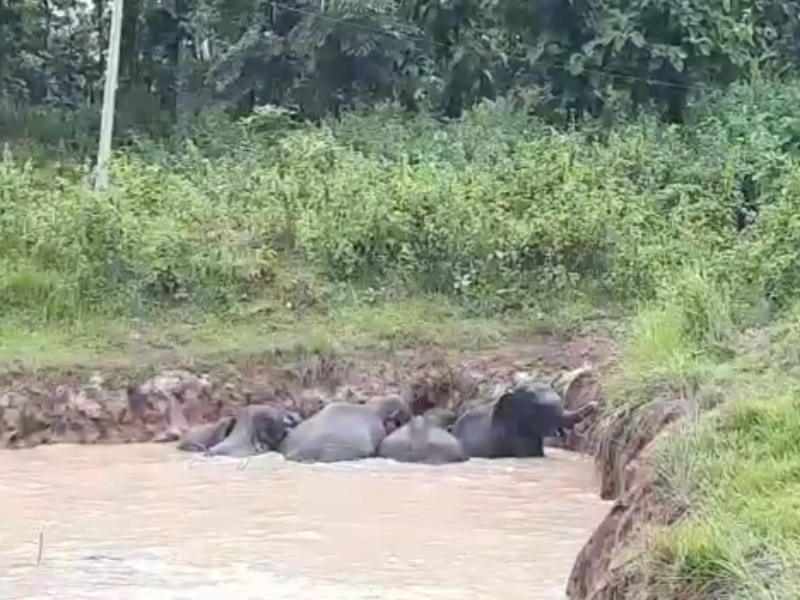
column 122, row 407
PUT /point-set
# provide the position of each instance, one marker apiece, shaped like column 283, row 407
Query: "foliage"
column 562, row 59
column 726, row 478
column 497, row 211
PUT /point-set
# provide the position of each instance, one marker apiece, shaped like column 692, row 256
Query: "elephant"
column 424, row 439
column 204, row 437
column 257, row 429
column 441, row 417
column 343, row 431
column 516, row 424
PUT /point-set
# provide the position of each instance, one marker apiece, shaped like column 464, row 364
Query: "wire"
column 423, row 40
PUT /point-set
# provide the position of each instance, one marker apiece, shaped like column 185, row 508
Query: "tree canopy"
column 563, row 58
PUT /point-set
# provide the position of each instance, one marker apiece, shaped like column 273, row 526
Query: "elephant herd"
column 514, row 425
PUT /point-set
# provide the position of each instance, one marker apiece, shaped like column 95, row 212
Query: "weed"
column 496, row 212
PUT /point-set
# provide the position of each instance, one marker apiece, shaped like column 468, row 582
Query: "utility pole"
column 109, row 97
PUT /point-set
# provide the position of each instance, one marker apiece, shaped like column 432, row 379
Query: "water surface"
column 148, row 522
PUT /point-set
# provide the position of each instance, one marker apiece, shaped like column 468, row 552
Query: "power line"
column 521, row 57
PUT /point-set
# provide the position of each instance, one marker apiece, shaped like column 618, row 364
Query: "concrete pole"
column 109, row 97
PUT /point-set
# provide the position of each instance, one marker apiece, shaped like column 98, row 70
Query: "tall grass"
column 497, row 212
column 731, row 474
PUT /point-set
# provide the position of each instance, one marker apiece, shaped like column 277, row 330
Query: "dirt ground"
column 81, row 406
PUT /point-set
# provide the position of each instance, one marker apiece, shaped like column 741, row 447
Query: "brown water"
column 148, row 522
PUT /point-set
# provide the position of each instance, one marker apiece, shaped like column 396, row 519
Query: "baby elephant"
column 257, row 429
column 517, row 423
column 204, row 437
column 342, row 431
column 424, row 439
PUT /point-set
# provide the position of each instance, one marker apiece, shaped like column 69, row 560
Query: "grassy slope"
column 179, row 337
column 733, row 470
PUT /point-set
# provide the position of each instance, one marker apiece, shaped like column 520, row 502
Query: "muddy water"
column 147, row 522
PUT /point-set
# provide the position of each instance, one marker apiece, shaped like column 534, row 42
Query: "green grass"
column 678, row 344
column 182, row 336
column 732, row 469
column 742, row 534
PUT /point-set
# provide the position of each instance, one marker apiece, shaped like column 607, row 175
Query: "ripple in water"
column 148, row 522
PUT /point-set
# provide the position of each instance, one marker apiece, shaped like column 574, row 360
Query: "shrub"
column 497, row 211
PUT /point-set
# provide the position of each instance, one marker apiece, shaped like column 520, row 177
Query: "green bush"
column 496, row 211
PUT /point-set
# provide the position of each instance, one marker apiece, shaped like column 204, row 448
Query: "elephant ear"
column 515, row 411
column 506, row 407
column 291, row 419
column 506, row 423
column 505, row 412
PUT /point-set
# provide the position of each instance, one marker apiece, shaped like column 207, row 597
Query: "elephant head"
column 538, row 408
column 392, row 410
column 204, row 437
column 440, row 417
column 523, row 416
column 257, row 429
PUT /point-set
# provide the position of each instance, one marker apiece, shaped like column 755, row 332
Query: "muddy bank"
column 123, row 406
column 606, row 568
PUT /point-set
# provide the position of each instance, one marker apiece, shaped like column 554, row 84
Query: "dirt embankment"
column 119, row 406
column 623, row 443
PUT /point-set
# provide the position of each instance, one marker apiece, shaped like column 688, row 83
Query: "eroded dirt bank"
column 85, row 406
column 605, row 568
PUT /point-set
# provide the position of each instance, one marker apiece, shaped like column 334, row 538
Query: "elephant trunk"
column 573, row 417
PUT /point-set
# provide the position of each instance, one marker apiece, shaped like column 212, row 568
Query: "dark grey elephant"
column 424, row 439
column 342, row 431
column 516, row 424
column 204, row 437
column 257, row 429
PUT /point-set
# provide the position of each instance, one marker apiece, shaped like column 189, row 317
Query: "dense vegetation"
column 634, row 156
column 498, row 211
column 564, row 59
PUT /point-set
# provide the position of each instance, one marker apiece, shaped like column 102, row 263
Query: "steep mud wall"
column 119, row 406
column 605, row 569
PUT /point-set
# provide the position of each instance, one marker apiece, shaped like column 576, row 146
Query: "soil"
column 120, row 406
